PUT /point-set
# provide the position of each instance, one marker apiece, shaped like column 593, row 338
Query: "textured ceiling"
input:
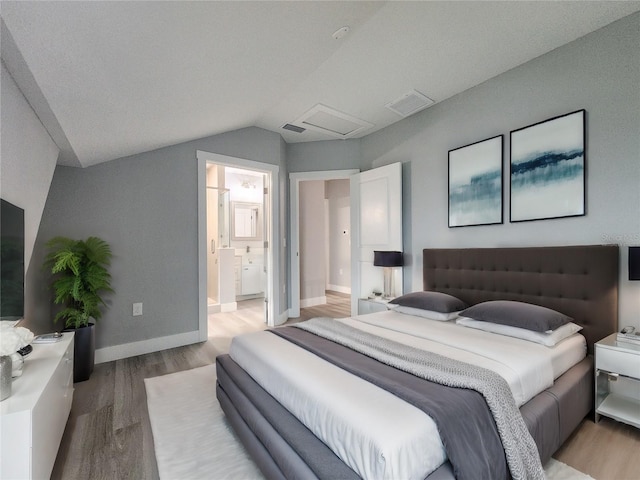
column 111, row 79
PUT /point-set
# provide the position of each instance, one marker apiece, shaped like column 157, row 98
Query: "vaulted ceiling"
column 111, row 79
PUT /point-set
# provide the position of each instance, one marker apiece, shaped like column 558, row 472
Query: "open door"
column 266, row 229
column 376, row 224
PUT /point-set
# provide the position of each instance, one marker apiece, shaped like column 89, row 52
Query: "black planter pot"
column 84, row 345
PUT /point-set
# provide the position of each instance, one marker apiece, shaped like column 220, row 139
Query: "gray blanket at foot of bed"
column 464, row 421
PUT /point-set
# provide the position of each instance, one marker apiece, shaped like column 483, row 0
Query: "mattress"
column 346, row 412
column 528, row 367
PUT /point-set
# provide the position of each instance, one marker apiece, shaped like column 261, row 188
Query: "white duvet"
column 377, row 434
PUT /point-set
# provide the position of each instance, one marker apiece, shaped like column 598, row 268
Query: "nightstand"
column 372, row 305
column 617, row 377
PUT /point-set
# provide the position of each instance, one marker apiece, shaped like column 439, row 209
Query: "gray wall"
column 600, row 73
column 326, row 155
column 145, row 206
column 28, row 161
column 337, row 193
column 312, row 240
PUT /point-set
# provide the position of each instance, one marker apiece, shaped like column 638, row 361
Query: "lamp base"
column 388, row 283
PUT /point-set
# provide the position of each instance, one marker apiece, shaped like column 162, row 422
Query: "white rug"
column 191, row 435
column 194, row 441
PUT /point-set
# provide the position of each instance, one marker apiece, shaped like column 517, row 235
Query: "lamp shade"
column 634, row 263
column 387, row 259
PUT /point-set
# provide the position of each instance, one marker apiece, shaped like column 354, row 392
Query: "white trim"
column 203, row 298
column 294, row 209
column 284, row 316
column 273, row 256
column 312, row 302
column 126, row 350
column 339, row 289
column 229, row 307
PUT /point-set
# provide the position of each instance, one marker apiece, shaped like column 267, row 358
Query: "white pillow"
column 430, row 314
column 543, row 338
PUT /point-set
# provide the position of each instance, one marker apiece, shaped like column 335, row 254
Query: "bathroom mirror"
column 246, row 221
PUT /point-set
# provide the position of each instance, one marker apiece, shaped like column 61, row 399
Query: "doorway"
column 312, row 290
column 237, row 218
column 236, row 228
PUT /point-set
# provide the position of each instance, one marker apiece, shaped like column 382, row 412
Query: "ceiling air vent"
column 410, row 103
column 332, row 122
column 293, row 128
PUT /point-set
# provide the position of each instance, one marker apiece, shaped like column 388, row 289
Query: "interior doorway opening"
column 320, row 237
column 236, row 227
column 238, row 245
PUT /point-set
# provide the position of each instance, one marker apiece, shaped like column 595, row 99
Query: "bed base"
column 284, row 448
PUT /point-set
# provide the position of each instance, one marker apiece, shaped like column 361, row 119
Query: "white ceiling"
column 111, row 79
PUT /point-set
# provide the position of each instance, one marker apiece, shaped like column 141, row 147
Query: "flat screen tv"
column 11, row 262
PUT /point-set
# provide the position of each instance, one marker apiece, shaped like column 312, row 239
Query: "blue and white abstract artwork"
column 475, row 183
column 547, row 169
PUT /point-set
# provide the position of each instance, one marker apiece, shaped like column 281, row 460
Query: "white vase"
column 17, row 362
column 5, row 377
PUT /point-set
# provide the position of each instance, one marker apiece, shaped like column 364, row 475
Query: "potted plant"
column 80, row 278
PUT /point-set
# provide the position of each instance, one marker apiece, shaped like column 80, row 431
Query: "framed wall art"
column 475, row 183
column 547, row 169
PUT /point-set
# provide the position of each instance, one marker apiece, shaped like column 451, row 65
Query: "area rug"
column 194, row 441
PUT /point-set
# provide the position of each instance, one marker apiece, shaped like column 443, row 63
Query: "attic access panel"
column 332, row 122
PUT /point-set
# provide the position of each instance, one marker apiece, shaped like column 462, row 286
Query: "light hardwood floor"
column 108, row 435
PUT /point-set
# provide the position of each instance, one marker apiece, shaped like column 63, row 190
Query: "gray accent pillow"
column 517, row 314
column 434, row 301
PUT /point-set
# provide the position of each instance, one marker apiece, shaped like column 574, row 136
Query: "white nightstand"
column 617, row 376
column 372, row 305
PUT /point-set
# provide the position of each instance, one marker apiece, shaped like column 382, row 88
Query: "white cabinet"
column 618, row 380
column 33, row 418
column 238, row 274
column 252, row 275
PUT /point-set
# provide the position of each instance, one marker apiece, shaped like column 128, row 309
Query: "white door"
column 266, row 230
column 376, row 224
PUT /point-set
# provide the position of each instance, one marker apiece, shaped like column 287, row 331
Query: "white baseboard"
column 339, row 288
column 311, row 302
column 127, row 350
column 213, row 308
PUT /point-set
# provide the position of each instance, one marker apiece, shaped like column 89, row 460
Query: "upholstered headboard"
column 579, row 281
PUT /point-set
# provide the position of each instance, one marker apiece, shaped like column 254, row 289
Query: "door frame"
column 273, row 252
column 294, row 211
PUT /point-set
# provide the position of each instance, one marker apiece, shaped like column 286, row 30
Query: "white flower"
column 13, row 338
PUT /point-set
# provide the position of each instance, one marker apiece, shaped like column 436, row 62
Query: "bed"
column 578, row 281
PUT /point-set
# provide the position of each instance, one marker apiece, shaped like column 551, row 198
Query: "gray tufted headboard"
column 579, row 281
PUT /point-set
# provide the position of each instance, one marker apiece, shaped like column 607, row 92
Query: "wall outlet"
column 137, row 309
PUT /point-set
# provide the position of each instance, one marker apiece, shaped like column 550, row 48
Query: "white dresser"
column 33, row 418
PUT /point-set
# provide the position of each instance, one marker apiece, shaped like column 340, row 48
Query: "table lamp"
column 388, row 260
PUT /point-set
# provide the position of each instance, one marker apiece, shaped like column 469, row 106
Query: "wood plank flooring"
column 108, row 434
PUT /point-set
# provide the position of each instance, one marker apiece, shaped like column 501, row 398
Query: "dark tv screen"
column 11, row 262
